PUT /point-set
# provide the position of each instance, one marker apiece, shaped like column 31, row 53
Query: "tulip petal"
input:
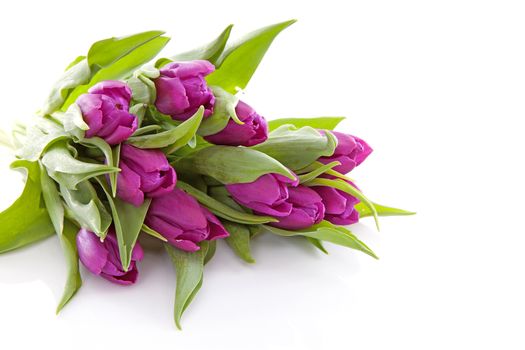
column 91, row 251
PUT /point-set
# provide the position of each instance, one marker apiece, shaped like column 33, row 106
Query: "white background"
column 436, row 87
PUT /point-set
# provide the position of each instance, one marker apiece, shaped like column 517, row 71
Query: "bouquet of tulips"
column 128, row 146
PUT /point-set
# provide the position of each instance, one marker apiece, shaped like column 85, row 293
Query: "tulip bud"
column 181, row 89
column 350, row 152
column 105, row 109
column 252, row 132
column 183, row 221
column 143, row 173
column 266, row 195
column 339, row 205
column 307, row 209
column 103, row 258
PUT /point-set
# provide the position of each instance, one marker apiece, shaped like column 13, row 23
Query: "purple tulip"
column 183, row 221
column 143, row 173
column 339, row 205
column 105, row 109
column 350, row 152
column 103, row 258
column 181, row 89
column 307, row 209
column 252, row 132
column 267, row 195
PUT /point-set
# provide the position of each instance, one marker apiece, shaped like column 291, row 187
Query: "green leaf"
column 175, row 138
column 381, row 210
column 325, row 231
column 111, row 155
column 146, row 130
column 26, row 221
column 74, row 62
column 108, row 51
column 122, row 67
column 65, row 169
column 327, row 123
column 128, row 220
column 76, row 75
column 153, row 233
column 73, row 121
column 143, row 89
column 86, row 208
column 317, row 243
column 317, row 171
column 317, row 166
column 223, row 110
column 222, row 210
column 297, row 148
column 69, row 247
column 212, row 248
column 346, row 187
column 236, row 65
column 232, row 164
column 209, row 52
column 52, row 200
column 189, row 268
column 239, row 240
column 39, row 137
column 138, row 110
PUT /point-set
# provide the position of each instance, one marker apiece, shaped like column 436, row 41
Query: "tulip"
column 339, row 205
column 143, row 173
column 350, row 152
column 307, row 209
column 267, row 195
column 103, row 258
column 252, row 132
column 181, row 89
column 183, row 221
column 105, row 109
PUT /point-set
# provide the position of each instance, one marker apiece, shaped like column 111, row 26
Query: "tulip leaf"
column 327, row 123
column 238, row 62
column 348, row 188
column 239, row 240
column 69, row 247
column 223, row 110
column 297, row 147
column 175, row 138
column 73, row 121
column 326, row 231
column 111, row 155
column 39, row 137
column 153, row 233
column 317, row 166
column 210, row 52
column 143, row 89
column 212, row 248
column 52, row 200
column 86, row 208
column 65, row 169
column 106, row 52
column 317, row 243
column 26, row 221
column 381, row 210
column 222, row 210
column 231, row 165
column 317, row 171
column 122, row 67
column 74, row 62
column 147, row 130
column 128, row 221
column 74, row 76
column 189, row 268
